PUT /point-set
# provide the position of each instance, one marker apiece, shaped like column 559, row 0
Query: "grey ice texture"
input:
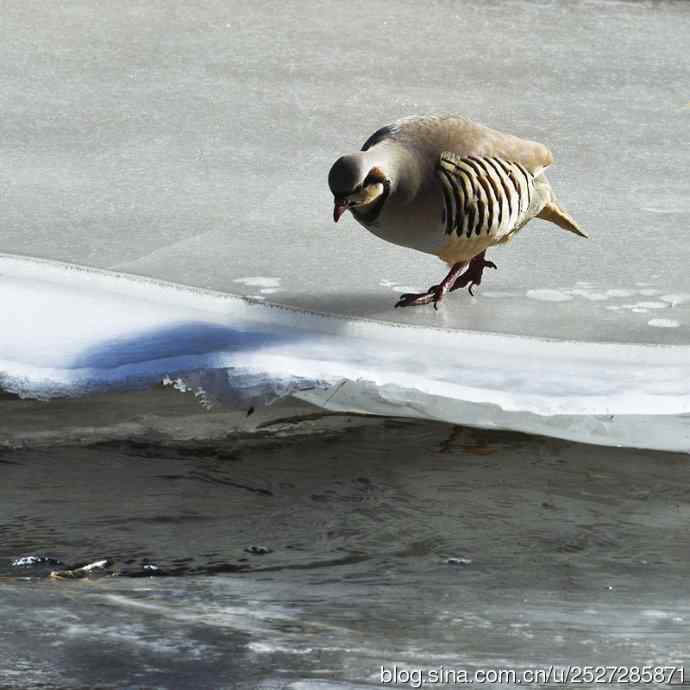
column 192, row 143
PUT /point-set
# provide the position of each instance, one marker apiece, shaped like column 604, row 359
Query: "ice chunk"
column 73, row 332
column 203, row 161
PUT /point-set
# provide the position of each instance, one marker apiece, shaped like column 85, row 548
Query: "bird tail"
column 555, row 214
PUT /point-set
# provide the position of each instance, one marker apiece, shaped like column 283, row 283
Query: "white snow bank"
column 68, row 331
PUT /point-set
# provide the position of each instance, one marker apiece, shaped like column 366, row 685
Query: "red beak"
column 341, row 205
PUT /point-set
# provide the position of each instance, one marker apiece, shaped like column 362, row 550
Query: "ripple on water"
column 404, row 508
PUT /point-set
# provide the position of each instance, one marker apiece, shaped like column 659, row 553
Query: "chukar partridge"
column 444, row 185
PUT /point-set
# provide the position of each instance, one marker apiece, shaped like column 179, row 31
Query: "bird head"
column 354, row 182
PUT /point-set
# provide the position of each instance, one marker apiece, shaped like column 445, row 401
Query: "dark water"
column 389, row 543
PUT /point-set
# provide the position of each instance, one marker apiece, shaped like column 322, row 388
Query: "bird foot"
column 473, row 275
column 435, row 293
column 413, row 299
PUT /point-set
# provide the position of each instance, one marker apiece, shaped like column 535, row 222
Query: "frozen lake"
column 193, row 145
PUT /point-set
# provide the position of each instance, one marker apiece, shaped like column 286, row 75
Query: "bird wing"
column 486, row 196
column 456, row 134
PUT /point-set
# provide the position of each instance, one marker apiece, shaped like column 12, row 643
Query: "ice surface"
column 193, row 146
column 75, row 331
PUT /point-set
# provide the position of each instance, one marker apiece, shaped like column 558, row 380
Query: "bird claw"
column 472, row 277
column 408, row 299
column 413, row 299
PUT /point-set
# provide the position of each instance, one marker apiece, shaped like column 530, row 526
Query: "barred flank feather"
column 484, row 195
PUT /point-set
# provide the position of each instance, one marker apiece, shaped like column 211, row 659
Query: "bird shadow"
column 178, row 340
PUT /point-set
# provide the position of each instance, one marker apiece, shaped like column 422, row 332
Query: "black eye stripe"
column 372, row 215
column 348, row 192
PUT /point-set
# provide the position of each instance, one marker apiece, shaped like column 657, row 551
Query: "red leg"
column 473, row 275
column 435, row 293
